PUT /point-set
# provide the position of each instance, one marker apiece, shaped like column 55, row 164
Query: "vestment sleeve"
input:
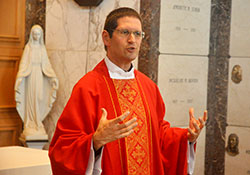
column 191, row 157
column 70, row 147
column 173, row 143
column 94, row 164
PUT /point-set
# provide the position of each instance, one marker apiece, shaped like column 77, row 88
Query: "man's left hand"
column 195, row 126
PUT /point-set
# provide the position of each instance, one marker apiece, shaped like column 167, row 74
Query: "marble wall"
column 238, row 101
column 217, row 87
column 183, row 63
column 35, row 14
column 74, row 44
column 239, row 40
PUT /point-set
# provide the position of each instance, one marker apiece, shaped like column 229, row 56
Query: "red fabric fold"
column 70, row 147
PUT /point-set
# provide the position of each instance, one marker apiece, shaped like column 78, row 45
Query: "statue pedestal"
column 34, row 141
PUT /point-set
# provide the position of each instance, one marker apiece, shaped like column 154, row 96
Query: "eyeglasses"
column 126, row 33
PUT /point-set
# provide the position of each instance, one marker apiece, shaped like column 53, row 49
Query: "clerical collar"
column 116, row 72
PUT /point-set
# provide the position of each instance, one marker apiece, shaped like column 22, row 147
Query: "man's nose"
column 131, row 37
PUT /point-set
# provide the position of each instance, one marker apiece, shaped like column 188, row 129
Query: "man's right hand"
column 110, row 130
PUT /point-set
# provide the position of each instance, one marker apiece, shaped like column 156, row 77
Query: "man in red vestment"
column 113, row 122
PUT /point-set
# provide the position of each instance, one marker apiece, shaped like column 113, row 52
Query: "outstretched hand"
column 110, row 130
column 195, row 126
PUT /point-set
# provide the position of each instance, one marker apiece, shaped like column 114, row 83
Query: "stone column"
column 149, row 53
column 217, row 87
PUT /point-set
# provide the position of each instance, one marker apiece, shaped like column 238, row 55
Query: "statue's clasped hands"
column 110, row 130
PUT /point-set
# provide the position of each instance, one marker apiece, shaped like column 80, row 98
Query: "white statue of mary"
column 36, row 85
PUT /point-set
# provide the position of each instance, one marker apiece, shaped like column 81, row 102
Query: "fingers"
column 124, row 115
column 127, row 124
column 120, row 118
column 196, row 127
column 191, row 113
column 116, row 120
column 191, row 118
column 202, row 123
column 126, row 134
column 205, row 116
column 123, row 129
column 192, row 136
column 110, row 130
column 191, row 132
column 203, row 120
column 130, row 125
column 104, row 114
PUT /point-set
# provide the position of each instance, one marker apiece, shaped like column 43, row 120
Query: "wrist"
column 98, row 152
column 191, row 138
column 96, row 143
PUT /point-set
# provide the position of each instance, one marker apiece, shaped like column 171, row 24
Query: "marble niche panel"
column 238, row 164
column 238, row 94
column 200, row 153
column 240, row 24
column 182, row 81
column 183, row 84
column 185, row 27
column 96, row 23
column 66, row 25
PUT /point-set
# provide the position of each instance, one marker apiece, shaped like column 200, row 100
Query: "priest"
column 113, row 122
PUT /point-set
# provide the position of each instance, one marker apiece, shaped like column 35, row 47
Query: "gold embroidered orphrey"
column 137, row 144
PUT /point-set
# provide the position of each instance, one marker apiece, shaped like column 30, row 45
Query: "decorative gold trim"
column 149, row 115
column 137, row 144
column 119, row 144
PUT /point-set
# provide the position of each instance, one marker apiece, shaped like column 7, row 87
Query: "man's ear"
column 106, row 38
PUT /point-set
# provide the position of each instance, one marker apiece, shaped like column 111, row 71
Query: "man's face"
column 125, row 44
column 233, row 142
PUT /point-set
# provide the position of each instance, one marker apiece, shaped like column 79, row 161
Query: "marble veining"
column 74, row 44
column 69, row 68
column 217, row 87
column 149, row 53
column 35, row 14
column 67, row 25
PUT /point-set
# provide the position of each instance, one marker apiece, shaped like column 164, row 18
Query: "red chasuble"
column 153, row 149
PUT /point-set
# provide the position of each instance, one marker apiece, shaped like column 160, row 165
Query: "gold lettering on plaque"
column 232, row 145
column 236, row 74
